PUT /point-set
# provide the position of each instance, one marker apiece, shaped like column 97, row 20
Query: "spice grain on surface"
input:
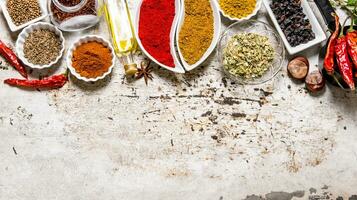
column 23, row 11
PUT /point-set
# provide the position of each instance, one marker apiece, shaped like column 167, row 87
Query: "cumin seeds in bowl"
column 42, row 47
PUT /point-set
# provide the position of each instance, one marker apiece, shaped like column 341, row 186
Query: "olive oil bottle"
column 120, row 25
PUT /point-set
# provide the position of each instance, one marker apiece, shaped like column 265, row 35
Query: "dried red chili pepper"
column 352, row 47
column 352, row 44
column 329, row 61
column 343, row 61
column 56, row 81
column 11, row 57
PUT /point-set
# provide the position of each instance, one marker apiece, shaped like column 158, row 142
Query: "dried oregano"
column 248, row 55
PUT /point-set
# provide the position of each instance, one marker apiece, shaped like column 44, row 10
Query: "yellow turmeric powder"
column 197, row 31
column 237, row 8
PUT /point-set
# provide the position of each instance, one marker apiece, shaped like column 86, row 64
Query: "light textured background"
column 192, row 136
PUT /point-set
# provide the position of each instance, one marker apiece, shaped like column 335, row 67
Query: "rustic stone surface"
column 192, row 136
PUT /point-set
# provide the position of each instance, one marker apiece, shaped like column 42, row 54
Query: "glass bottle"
column 74, row 15
column 122, row 32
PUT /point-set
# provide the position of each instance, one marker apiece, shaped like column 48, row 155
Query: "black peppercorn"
column 293, row 21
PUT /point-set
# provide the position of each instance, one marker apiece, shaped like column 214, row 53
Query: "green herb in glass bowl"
column 250, row 52
column 248, row 55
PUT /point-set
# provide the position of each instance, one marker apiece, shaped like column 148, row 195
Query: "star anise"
column 145, row 71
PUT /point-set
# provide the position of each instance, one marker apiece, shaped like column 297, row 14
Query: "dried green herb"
column 42, row 47
column 22, row 11
column 248, row 55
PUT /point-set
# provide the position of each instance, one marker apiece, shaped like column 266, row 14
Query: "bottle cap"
column 131, row 69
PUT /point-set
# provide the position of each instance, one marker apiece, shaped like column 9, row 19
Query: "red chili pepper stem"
column 66, row 73
column 352, row 24
column 343, row 27
column 336, row 80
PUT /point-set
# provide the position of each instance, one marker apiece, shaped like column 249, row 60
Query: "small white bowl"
column 13, row 27
column 258, row 5
column 24, row 34
column 178, row 67
column 83, row 40
column 217, row 34
column 316, row 28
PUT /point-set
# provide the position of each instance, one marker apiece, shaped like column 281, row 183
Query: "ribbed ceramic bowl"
column 83, row 40
column 258, row 5
column 261, row 28
column 24, row 34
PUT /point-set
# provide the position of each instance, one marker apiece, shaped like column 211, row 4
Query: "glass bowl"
column 261, row 28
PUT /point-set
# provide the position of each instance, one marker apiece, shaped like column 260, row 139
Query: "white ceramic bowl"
column 178, row 67
column 13, row 27
column 24, row 34
column 316, row 28
column 83, row 40
column 217, row 33
column 258, row 5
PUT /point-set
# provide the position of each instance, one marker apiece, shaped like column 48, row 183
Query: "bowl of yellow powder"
column 199, row 31
column 239, row 10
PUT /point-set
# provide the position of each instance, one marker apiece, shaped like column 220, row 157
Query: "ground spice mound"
column 23, row 11
column 155, row 24
column 238, row 8
column 196, row 34
column 92, row 59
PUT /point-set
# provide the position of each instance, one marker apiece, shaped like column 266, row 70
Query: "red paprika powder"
column 156, row 20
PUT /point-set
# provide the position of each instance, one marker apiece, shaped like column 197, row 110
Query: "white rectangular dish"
column 320, row 35
column 12, row 25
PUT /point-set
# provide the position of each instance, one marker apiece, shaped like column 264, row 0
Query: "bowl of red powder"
column 156, row 24
column 91, row 58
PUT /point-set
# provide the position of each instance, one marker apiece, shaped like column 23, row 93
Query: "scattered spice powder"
column 23, row 11
column 156, row 19
column 238, row 8
column 196, row 34
column 91, row 59
column 88, row 9
column 42, row 47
